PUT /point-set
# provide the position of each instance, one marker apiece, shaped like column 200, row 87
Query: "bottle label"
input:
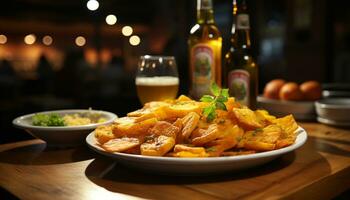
column 203, row 69
column 243, row 21
column 238, row 84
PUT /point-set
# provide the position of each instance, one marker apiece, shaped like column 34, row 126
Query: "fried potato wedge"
column 194, row 150
column 189, row 123
column 164, row 128
column 262, row 139
column 289, row 127
column 208, row 135
column 259, row 146
column 183, row 98
column 132, row 128
column 121, row 144
column 188, row 154
column 288, row 124
column 104, row 133
column 181, row 109
column 264, row 117
column 158, row 146
column 228, row 139
column 231, row 103
column 246, row 118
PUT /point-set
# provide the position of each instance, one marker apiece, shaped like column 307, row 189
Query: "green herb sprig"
column 217, row 101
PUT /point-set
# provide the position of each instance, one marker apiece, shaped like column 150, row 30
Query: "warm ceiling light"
column 111, row 19
column 3, row 39
column 29, row 39
column 47, row 40
column 134, row 40
column 80, row 41
column 92, row 5
column 127, row 30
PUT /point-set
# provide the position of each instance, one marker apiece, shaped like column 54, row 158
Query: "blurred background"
column 81, row 54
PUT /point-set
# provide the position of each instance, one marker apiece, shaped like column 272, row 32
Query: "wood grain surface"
column 318, row 170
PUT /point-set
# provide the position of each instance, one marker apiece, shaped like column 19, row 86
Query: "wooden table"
column 318, row 170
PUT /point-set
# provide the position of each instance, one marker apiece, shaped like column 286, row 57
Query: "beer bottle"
column 240, row 69
column 204, row 51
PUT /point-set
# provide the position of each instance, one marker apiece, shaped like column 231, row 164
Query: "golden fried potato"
column 178, row 124
column 181, row 109
column 262, row 139
column 231, row 103
column 183, row 98
column 289, row 127
column 104, row 133
column 288, row 124
column 121, row 144
column 139, row 112
column 264, row 117
column 189, row 123
column 188, row 154
column 259, row 146
column 210, row 134
column 158, row 146
column 195, row 150
column 164, row 128
column 228, row 139
column 246, row 118
column 131, row 128
column 124, row 120
column 285, row 142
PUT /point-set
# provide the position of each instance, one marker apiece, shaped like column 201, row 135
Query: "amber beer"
column 156, row 88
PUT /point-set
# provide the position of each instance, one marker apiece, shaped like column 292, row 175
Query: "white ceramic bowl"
column 61, row 135
column 301, row 110
column 334, row 109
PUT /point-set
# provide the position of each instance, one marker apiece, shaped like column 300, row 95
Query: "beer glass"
column 157, row 78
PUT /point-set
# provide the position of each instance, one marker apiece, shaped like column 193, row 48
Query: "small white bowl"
column 301, row 110
column 334, row 109
column 62, row 135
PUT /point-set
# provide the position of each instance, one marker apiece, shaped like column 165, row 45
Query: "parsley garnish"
column 217, row 101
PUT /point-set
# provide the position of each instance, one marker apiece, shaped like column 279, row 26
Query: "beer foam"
column 157, row 80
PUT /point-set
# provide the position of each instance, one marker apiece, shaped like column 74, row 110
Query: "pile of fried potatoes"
column 177, row 128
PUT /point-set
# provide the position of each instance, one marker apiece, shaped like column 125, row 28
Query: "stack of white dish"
column 334, row 111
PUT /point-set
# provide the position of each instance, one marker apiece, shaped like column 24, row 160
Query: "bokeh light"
column 30, row 39
column 111, row 19
column 3, row 39
column 92, row 5
column 80, row 41
column 47, row 40
column 134, row 40
column 127, row 30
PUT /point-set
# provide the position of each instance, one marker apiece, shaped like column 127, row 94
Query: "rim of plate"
column 300, row 140
column 18, row 122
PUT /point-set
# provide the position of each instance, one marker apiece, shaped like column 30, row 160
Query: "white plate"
column 62, row 135
column 196, row 166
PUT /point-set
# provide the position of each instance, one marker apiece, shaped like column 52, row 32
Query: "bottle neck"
column 205, row 13
column 240, row 32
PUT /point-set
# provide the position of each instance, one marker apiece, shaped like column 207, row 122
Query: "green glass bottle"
column 240, row 69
